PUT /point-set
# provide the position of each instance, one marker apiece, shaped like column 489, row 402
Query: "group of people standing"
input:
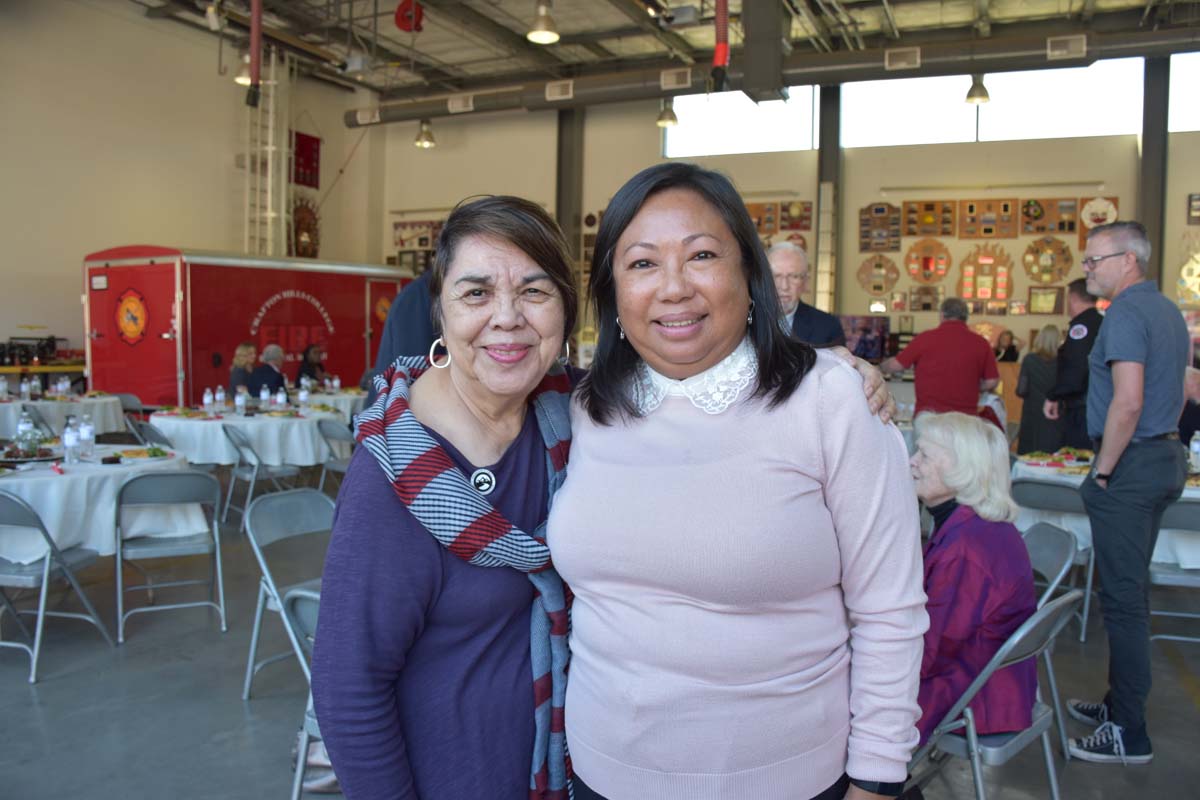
column 731, row 560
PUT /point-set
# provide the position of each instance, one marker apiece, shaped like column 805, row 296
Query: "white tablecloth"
column 346, row 403
column 277, row 440
column 106, row 413
column 78, row 506
column 1173, row 547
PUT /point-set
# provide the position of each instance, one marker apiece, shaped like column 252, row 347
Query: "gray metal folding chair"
column 183, row 487
column 1051, row 551
column 39, row 422
column 1032, row 639
column 251, row 470
column 1180, row 515
column 1060, row 498
column 270, row 519
column 131, row 407
column 150, row 435
column 300, row 608
column 15, row 512
column 332, row 431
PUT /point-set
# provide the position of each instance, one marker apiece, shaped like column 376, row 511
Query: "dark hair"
column 782, row 360
column 1078, row 287
column 522, row 224
column 308, row 351
column 954, row 308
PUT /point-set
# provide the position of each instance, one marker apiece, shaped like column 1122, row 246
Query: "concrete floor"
column 162, row 715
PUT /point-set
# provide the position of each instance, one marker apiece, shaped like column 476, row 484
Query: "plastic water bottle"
column 337, row 383
column 70, row 440
column 1194, row 447
column 87, row 437
column 208, row 402
column 264, row 398
column 27, row 436
column 25, row 389
column 219, row 398
column 303, row 398
column 328, row 386
column 239, row 404
column 281, row 398
column 35, row 389
column 3, row 387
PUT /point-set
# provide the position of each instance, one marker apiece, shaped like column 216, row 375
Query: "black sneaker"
column 1105, row 746
column 1092, row 713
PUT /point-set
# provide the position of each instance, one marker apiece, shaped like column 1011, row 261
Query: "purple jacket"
column 980, row 587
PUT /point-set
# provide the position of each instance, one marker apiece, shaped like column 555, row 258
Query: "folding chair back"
column 1047, row 496
column 158, row 488
column 150, row 434
column 130, row 403
column 39, row 421
column 1051, row 551
column 334, row 431
column 241, row 442
column 1182, row 515
column 301, row 606
column 282, row 515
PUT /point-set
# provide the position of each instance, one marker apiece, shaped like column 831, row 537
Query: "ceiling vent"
column 367, row 116
column 670, row 80
column 902, row 58
column 558, row 91
column 460, row 103
column 1060, row 48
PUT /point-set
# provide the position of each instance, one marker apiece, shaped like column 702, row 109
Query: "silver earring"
column 620, row 330
column 750, row 314
column 432, row 362
column 566, row 356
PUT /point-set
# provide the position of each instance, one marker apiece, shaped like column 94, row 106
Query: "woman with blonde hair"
column 1039, row 371
column 978, row 578
column 243, row 364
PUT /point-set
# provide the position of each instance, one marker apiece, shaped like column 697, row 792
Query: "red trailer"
column 163, row 322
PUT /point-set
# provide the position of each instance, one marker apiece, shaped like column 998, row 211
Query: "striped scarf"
column 443, row 500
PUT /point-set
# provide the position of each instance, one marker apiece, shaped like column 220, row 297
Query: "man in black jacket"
column 1068, row 399
column 789, row 267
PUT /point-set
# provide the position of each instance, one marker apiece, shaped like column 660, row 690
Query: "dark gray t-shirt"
column 1144, row 326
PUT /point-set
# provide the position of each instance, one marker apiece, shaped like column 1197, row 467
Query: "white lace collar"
column 712, row 391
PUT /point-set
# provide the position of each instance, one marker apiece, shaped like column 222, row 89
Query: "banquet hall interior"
column 184, row 180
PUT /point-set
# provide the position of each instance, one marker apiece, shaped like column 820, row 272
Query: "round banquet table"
column 348, row 403
column 1173, row 547
column 277, row 440
column 106, row 412
column 78, row 506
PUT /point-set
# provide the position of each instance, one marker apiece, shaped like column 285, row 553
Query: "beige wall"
column 118, row 130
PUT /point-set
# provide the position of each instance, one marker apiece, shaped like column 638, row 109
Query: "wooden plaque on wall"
column 927, row 261
column 1050, row 215
column 925, row 298
column 878, row 275
column 987, row 218
column 879, row 228
column 795, row 215
column 986, row 273
column 1095, row 211
column 929, row 217
column 765, row 216
column 1047, row 260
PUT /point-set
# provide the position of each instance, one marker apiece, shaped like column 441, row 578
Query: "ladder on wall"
column 268, row 160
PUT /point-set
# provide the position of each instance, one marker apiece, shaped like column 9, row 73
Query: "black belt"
column 1162, row 437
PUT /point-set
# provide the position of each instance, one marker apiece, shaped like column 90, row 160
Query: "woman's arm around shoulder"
column 380, row 578
column 870, row 495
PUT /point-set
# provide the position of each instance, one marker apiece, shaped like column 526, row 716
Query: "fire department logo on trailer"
column 131, row 316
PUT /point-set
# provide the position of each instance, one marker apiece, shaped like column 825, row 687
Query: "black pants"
column 835, row 792
column 1125, row 520
column 1074, row 425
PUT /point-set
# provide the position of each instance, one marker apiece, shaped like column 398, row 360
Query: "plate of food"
column 15, row 455
column 95, row 393
column 323, row 407
column 281, row 413
column 144, row 454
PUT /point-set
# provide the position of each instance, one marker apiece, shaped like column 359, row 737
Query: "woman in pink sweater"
column 740, row 532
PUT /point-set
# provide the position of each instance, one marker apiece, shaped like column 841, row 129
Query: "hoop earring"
column 620, row 330
column 432, row 362
column 565, row 358
column 750, row 314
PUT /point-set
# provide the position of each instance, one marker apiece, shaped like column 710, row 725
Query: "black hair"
column 1078, row 287
column 783, row 361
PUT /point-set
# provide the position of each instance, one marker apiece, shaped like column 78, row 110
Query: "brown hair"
column 1046, row 343
column 522, row 224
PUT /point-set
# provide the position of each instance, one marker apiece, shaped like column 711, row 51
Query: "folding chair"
column 39, row 422
column 250, row 469
column 132, row 409
column 1051, row 551
column 15, row 512
column 169, row 488
column 300, row 608
column 1180, row 515
column 270, row 519
column 1032, row 639
column 1063, row 499
column 332, row 431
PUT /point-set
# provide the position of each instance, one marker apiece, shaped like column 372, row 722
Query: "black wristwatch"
column 880, row 787
column 1100, row 476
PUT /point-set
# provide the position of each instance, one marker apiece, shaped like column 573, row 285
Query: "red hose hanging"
column 255, row 89
column 721, row 51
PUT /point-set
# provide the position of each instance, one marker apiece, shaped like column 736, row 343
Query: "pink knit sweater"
column 748, row 609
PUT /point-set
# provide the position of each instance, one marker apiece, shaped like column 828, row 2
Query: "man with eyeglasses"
column 789, row 266
column 1135, row 395
column 1067, row 400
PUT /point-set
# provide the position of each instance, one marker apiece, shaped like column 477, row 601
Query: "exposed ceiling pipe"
column 804, row 69
column 252, row 94
column 720, row 62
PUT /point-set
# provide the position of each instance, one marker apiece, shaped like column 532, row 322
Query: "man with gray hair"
column 269, row 373
column 1135, row 396
column 952, row 363
column 789, row 266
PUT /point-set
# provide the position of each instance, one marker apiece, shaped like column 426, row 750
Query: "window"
column 1104, row 99
column 730, row 122
column 907, row 111
column 1183, row 107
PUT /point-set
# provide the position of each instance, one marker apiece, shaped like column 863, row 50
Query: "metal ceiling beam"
column 1088, row 10
column 600, row 36
column 486, row 27
column 983, row 22
column 820, row 36
column 636, row 12
column 893, row 30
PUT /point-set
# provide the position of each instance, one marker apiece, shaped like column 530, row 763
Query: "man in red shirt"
column 953, row 363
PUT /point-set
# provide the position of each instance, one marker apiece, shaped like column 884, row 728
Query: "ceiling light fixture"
column 543, row 31
column 425, row 138
column 243, row 76
column 666, row 117
column 978, row 93
column 212, row 16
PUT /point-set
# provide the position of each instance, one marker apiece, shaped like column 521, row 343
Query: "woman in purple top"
column 978, row 577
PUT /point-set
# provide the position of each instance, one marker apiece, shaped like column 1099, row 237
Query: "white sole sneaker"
column 1107, row 758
